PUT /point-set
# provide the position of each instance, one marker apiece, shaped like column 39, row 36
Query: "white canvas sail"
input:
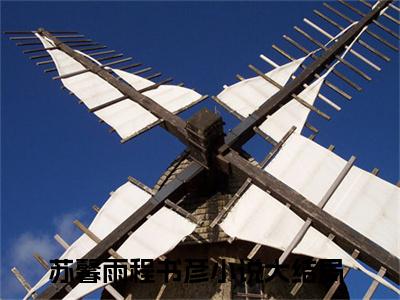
column 158, row 235
column 122, row 203
column 246, row 96
column 126, row 117
column 310, row 170
column 292, row 113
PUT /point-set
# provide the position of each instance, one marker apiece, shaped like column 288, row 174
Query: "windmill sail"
column 311, row 170
column 292, row 113
column 246, row 96
column 305, row 193
column 166, row 225
column 125, row 116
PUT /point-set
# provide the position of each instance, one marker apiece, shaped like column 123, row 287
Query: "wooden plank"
column 61, row 241
column 322, row 97
column 23, row 281
column 173, row 123
column 374, row 285
column 173, row 190
column 346, row 237
column 243, row 132
column 336, row 284
column 247, row 183
column 41, row 261
column 352, row 51
column 280, row 87
column 371, row 33
column 327, row 66
column 342, row 60
column 360, row 41
column 380, row 25
column 303, row 230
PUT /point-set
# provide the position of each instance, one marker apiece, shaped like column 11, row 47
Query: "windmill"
column 131, row 105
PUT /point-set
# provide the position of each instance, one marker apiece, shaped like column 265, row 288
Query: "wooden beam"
column 61, row 241
column 41, row 261
column 345, row 236
column 371, row 33
column 173, row 190
column 172, row 123
column 23, row 281
column 243, row 132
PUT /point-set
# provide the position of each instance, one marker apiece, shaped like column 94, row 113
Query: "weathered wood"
column 88, row 70
column 394, row 7
column 41, row 261
column 114, row 101
column 174, row 189
column 377, row 23
column 40, row 44
column 303, row 230
column 95, row 208
column 243, row 132
column 303, row 66
column 109, row 288
column 299, row 99
column 30, row 32
column 248, row 181
column 322, row 97
column 345, row 236
column 327, row 66
column 183, row 212
column 374, row 284
column 371, row 33
column 338, row 57
column 141, row 185
column 23, row 281
column 360, row 41
column 352, row 51
column 61, row 241
column 173, row 123
column 33, row 37
column 161, row 121
column 337, row 283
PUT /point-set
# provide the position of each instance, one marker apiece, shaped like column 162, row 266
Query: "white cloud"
column 24, row 246
column 65, row 227
column 20, row 256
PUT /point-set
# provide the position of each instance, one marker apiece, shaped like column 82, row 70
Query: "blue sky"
column 57, row 160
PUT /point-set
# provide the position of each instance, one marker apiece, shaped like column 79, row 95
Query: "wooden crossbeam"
column 172, row 123
column 173, row 190
column 243, row 132
column 346, row 237
column 371, row 33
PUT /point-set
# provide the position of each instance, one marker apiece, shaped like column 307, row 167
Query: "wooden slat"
column 327, row 66
column 371, row 33
column 338, row 57
column 346, row 237
column 41, row 261
column 360, row 41
column 352, row 51
column 242, row 132
column 170, row 191
column 248, row 181
column 173, row 123
column 303, row 230
column 299, row 99
column 23, row 281
column 322, row 97
column 380, row 25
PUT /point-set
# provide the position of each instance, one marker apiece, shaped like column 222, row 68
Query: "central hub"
column 205, row 135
